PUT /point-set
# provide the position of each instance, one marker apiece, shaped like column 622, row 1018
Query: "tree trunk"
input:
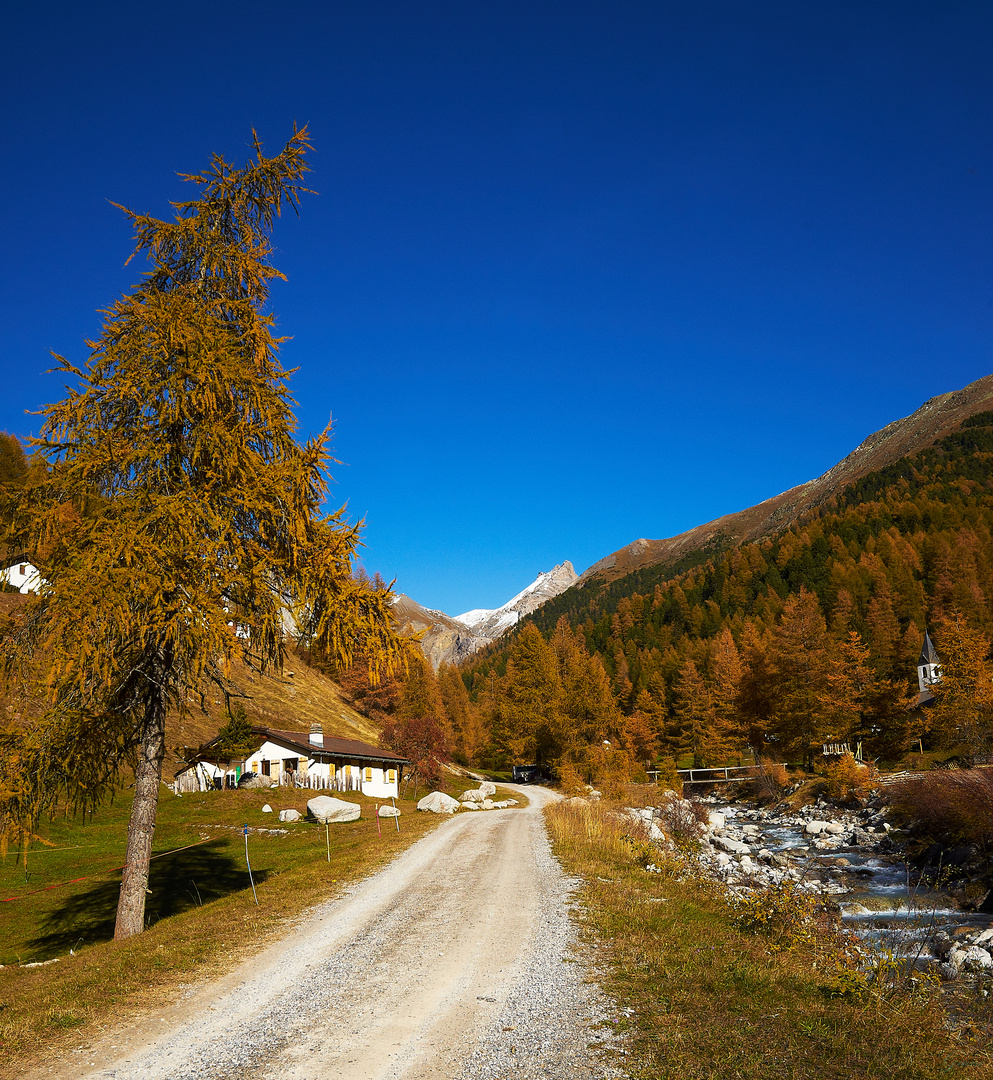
column 141, row 827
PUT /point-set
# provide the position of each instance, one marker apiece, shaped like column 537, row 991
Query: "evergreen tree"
column 210, row 518
column 800, row 664
column 531, row 700
column 962, row 713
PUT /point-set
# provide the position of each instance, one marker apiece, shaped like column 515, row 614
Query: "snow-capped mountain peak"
column 492, row 622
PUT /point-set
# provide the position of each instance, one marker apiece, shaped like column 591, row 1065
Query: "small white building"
column 22, row 576
column 298, row 759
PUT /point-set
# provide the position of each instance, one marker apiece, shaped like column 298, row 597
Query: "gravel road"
column 457, row 961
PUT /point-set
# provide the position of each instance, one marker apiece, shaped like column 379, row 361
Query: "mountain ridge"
column 938, row 416
column 450, row 639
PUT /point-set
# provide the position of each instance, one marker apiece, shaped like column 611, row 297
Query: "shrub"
column 847, row 779
column 781, row 913
column 947, row 808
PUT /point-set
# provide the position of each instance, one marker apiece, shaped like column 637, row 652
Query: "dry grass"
column 947, row 808
column 203, row 918
column 711, row 1000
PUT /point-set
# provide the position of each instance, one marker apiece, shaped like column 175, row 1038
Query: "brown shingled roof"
column 333, row 747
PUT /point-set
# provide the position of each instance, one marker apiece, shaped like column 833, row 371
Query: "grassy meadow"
column 201, row 915
column 712, row 1001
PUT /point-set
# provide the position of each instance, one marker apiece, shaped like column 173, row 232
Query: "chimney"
column 316, row 734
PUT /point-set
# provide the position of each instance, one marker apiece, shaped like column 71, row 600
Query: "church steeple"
column 928, row 666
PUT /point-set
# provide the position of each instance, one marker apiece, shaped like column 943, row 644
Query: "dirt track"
column 455, row 961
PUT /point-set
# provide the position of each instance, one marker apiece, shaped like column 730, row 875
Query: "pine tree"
column 210, row 522
column 467, row 735
column 962, row 713
column 800, row 665
column 530, row 709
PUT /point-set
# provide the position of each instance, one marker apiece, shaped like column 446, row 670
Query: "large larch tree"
column 180, row 520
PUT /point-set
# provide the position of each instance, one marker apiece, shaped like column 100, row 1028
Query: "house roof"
column 928, row 653
column 333, row 747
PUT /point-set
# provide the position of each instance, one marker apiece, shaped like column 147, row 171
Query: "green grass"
column 201, row 915
column 710, row 1000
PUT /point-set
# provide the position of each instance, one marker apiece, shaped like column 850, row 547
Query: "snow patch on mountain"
column 448, row 639
column 493, row 622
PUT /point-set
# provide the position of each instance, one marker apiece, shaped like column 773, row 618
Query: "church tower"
column 929, row 666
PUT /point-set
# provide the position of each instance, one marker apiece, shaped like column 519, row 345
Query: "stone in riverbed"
column 325, row 810
column 732, row 847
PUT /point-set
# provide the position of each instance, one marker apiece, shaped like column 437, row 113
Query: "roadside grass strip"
column 711, row 994
column 201, row 915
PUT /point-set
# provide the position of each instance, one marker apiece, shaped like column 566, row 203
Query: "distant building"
column 296, row 759
column 928, row 670
column 22, row 576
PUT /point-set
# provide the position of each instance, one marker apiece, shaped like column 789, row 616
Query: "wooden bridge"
column 724, row 774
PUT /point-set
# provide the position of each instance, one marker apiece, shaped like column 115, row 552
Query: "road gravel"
column 457, row 961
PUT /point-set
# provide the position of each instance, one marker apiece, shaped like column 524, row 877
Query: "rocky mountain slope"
column 450, row 640
column 935, row 418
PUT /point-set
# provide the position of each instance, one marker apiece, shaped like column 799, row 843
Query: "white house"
column 296, row 759
column 22, row 576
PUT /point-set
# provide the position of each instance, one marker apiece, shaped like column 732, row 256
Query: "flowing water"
column 880, row 899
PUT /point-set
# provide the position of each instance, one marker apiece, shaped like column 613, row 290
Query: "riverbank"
column 710, row 992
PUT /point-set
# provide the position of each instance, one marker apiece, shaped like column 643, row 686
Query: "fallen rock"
column 971, row 958
column 389, row 811
column 267, row 809
column 437, row 802
column 253, row 780
column 732, row 847
column 290, row 815
column 487, row 788
column 326, row 810
column 473, row 796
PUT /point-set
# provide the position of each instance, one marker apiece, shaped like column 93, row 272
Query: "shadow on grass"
column 177, row 883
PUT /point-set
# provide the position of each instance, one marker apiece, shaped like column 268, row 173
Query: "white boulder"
column 472, row 796
column 267, row 809
column 716, row 820
column 815, row 828
column 254, row 780
column 732, row 847
column 437, row 802
column 389, row 811
column 326, row 810
column 290, row 815
column 487, row 788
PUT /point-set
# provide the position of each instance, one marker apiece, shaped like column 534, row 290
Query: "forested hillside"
column 778, row 644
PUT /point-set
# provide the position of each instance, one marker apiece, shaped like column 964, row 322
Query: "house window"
column 348, row 770
column 368, row 775
column 265, row 768
column 255, row 767
column 392, row 776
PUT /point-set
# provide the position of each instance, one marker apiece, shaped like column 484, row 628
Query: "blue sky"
column 577, row 272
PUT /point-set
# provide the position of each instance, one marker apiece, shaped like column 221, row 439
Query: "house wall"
column 378, row 780
column 23, row 576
